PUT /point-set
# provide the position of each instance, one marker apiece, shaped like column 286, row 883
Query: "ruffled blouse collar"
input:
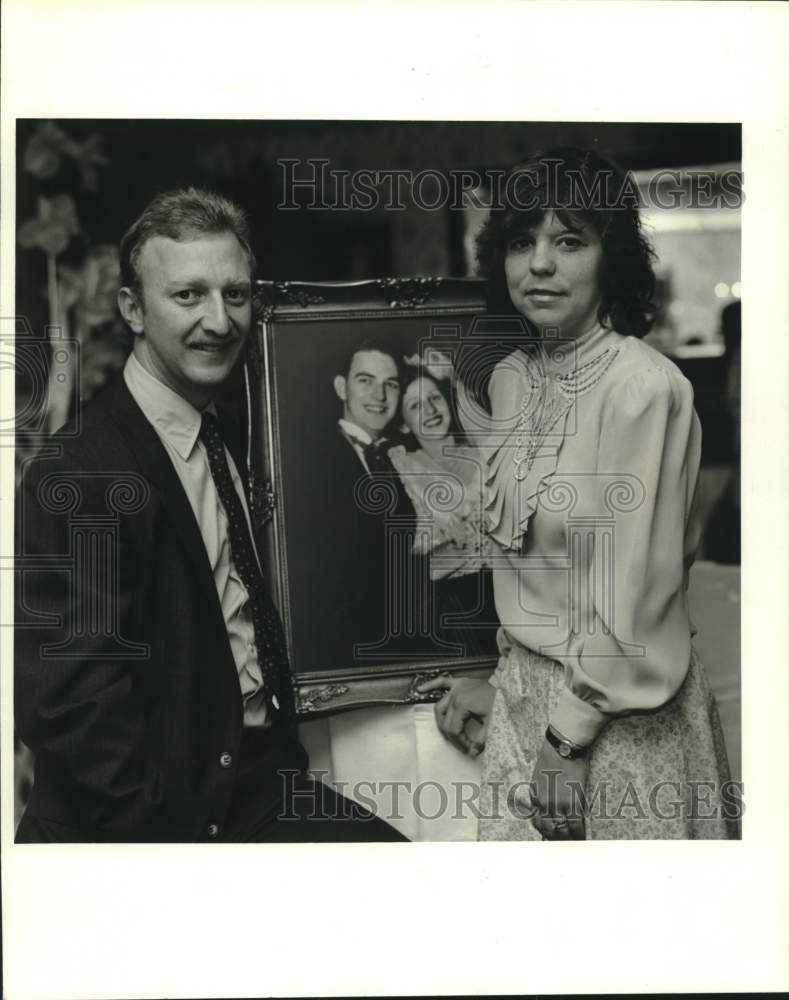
column 532, row 393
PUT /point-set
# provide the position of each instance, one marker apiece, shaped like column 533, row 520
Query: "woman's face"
column 553, row 275
column 425, row 411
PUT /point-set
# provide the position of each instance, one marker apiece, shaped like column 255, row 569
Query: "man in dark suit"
column 354, row 581
column 152, row 681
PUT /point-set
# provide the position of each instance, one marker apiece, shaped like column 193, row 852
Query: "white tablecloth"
column 366, row 749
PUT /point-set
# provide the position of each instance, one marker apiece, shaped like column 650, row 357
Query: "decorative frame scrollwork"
column 262, row 500
column 408, row 293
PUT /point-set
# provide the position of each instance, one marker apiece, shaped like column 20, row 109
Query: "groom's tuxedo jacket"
column 347, row 610
column 125, row 685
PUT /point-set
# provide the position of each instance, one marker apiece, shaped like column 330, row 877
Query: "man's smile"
column 214, row 348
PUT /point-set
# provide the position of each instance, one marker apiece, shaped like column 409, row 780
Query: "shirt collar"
column 357, row 434
column 174, row 418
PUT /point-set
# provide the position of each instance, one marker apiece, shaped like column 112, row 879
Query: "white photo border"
column 101, row 921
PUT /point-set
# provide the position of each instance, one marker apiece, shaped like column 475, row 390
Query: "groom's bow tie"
column 376, row 455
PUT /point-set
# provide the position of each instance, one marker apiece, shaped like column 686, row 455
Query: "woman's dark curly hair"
column 580, row 186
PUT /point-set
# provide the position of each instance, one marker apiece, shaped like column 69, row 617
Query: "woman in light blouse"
column 598, row 721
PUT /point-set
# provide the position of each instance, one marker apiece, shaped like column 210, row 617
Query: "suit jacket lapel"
column 156, row 466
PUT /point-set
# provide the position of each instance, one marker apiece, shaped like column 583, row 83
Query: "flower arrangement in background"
column 80, row 297
column 51, row 144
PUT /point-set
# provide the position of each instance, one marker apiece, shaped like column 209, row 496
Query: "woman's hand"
column 557, row 793
column 463, row 712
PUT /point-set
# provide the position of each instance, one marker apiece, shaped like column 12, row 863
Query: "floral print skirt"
column 659, row 775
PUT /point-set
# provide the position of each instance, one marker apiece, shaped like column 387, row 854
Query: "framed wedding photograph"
column 378, row 565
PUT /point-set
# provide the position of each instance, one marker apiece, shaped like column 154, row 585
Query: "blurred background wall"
column 139, row 158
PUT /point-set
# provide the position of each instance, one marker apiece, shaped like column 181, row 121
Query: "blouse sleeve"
column 637, row 652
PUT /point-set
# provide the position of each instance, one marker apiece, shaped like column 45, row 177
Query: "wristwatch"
column 564, row 747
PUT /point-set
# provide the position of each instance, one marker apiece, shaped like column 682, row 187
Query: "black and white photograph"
column 383, row 473
column 490, row 501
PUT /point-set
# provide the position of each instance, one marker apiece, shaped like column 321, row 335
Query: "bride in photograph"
column 442, row 475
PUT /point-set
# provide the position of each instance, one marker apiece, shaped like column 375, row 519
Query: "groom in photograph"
column 152, row 678
column 360, row 557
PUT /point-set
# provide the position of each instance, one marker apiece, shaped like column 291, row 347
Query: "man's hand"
column 557, row 790
column 463, row 713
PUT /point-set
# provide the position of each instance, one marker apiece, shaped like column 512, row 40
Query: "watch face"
column 565, row 750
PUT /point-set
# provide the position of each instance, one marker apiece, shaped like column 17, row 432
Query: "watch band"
column 564, row 747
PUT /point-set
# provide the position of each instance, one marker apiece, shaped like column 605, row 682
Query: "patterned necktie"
column 269, row 635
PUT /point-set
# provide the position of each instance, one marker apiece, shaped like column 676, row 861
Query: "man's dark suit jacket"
column 128, row 747
column 340, row 570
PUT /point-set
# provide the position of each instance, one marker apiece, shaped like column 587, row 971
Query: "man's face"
column 195, row 312
column 371, row 391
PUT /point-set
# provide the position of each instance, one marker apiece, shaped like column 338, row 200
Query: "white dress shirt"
column 357, row 437
column 177, row 423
